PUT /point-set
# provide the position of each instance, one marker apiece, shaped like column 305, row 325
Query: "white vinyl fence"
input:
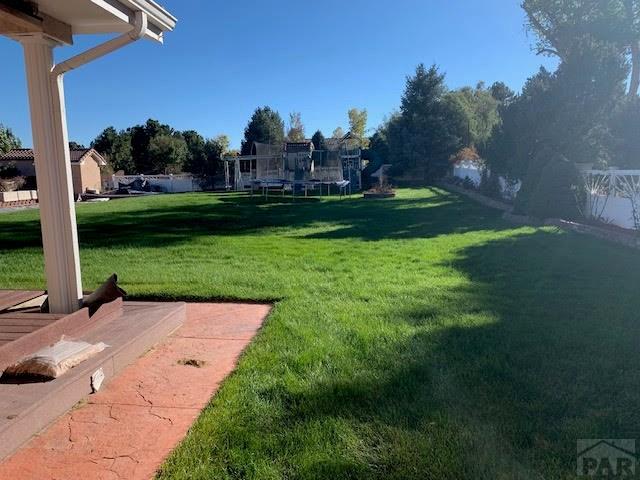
column 469, row 170
column 473, row 172
column 613, row 196
column 165, row 183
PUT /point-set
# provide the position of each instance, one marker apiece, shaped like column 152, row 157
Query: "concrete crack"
column 160, row 416
column 142, row 396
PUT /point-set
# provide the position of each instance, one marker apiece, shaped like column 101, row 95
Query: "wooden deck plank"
column 11, row 335
column 11, row 298
column 32, row 316
column 16, row 322
column 18, row 328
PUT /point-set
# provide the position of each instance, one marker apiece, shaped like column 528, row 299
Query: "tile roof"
column 26, row 154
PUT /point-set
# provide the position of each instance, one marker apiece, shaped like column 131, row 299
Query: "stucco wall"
column 86, row 175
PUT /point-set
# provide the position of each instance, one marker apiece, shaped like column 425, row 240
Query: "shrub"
column 490, row 185
column 11, row 184
column 468, row 184
column 9, row 170
column 531, row 179
column 555, row 196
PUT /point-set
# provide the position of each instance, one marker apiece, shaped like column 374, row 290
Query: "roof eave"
column 159, row 19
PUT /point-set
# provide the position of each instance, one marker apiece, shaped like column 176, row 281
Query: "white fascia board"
column 123, row 12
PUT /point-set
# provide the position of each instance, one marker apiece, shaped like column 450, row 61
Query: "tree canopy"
column 565, row 26
column 318, row 140
column 480, row 111
column 429, row 127
column 296, row 128
column 358, row 124
column 155, row 148
column 338, row 133
column 168, row 153
column 8, row 140
column 265, row 126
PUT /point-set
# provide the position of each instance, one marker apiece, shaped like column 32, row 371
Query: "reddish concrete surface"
column 126, row 430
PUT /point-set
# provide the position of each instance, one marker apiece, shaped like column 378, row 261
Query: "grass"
column 419, row 337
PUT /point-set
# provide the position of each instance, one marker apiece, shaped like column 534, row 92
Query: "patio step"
column 11, row 298
column 25, row 409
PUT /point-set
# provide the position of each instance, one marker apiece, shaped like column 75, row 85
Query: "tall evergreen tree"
column 265, row 126
column 429, row 129
column 318, row 140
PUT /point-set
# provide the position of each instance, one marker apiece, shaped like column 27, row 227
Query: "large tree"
column 141, row 138
column 318, row 140
column 559, row 117
column 167, row 153
column 358, row 124
column 480, row 111
column 296, row 128
column 76, row 145
column 105, row 140
column 209, row 164
column 196, row 155
column 564, row 26
column 265, row 126
column 8, row 140
column 429, row 128
column 116, row 148
column 625, row 131
column 121, row 157
column 501, row 92
column 338, row 133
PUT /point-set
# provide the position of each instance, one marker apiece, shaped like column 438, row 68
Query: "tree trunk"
column 634, row 83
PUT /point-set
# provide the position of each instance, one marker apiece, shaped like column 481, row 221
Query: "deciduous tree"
column 338, row 133
column 167, row 153
column 564, row 26
column 296, row 128
column 358, row 125
column 8, row 140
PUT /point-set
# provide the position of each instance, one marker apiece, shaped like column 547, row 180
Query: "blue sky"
column 320, row 58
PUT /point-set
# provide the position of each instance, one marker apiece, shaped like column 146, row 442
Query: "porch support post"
column 53, row 173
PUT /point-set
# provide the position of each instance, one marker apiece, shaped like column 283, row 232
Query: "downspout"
column 136, row 33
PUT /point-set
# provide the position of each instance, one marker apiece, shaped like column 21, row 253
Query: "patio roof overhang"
column 61, row 20
column 40, row 26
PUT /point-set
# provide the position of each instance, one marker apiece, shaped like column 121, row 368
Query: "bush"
column 11, row 184
column 468, row 184
column 490, row 185
column 9, row 170
column 531, row 179
column 555, row 194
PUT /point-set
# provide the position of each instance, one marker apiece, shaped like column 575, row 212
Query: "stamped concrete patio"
column 129, row 427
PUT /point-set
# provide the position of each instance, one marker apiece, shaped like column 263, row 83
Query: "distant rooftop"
column 26, row 154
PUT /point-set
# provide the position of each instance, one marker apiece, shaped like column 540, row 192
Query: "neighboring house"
column 85, row 167
column 299, row 163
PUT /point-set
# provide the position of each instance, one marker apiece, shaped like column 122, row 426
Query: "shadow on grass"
column 170, row 220
column 501, row 374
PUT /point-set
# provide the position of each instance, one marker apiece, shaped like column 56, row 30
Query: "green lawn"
column 420, row 337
